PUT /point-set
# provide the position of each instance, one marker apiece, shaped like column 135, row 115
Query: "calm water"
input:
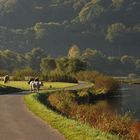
column 128, row 101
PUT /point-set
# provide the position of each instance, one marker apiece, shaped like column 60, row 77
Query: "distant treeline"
column 111, row 26
column 37, row 61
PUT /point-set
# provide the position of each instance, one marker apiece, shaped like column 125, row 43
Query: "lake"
column 127, row 101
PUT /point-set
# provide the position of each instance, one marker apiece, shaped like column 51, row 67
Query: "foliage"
column 96, row 116
column 89, row 59
column 71, row 129
column 56, row 76
column 74, row 52
column 105, row 84
column 3, row 72
column 47, row 65
column 62, row 100
column 87, row 76
column 115, row 32
column 19, row 75
column 56, row 24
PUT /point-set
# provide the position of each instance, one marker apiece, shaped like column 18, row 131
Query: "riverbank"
column 72, row 130
column 128, row 80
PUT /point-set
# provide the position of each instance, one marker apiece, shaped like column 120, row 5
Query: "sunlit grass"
column 71, row 129
column 47, row 85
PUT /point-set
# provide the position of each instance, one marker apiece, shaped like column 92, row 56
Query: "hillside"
column 111, row 26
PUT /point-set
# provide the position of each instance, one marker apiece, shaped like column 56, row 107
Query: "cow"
column 35, row 86
column 6, row 78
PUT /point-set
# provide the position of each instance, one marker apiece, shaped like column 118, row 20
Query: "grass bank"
column 24, row 85
column 71, row 129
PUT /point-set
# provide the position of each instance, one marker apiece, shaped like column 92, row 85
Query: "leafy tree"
column 95, row 59
column 34, row 58
column 129, row 63
column 62, row 64
column 47, row 65
column 91, row 12
column 115, row 62
column 115, row 32
column 76, row 65
column 74, row 52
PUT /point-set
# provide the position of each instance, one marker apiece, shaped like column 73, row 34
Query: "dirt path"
column 17, row 123
column 81, row 85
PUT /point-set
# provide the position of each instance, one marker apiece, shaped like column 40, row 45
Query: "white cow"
column 35, row 86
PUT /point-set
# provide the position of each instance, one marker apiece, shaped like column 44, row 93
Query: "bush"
column 102, row 84
column 105, row 84
column 56, row 76
column 62, row 101
column 3, row 72
column 96, row 116
column 101, row 118
column 23, row 74
column 86, row 76
column 18, row 78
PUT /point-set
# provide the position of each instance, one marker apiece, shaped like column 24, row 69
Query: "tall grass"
column 95, row 116
column 71, row 129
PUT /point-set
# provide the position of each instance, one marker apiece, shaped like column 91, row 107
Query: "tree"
column 74, row 52
column 47, row 65
column 40, row 30
column 128, row 63
column 76, row 65
column 34, row 58
column 115, row 62
column 62, row 64
column 115, row 32
column 91, row 12
column 95, row 60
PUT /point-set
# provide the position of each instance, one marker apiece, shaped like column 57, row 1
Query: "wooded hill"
column 111, row 26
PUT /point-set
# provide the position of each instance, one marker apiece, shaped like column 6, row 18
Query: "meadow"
column 23, row 85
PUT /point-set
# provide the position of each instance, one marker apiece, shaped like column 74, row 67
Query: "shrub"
column 94, row 115
column 56, row 76
column 102, row 119
column 18, row 78
column 102, row 84
column 3, row 72
column 105, row 84
column 62, row 101
column 23, row 74
column 87, row 76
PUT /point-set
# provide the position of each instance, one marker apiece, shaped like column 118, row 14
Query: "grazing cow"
column 6, row 78
column 35, row 86
column 31, row 79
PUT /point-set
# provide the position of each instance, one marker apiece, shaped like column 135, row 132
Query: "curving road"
column 17, row 123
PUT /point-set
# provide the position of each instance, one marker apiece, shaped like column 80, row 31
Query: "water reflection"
column 127, row 101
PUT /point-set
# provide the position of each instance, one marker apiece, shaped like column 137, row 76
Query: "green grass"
column 24, row 85
column 71, row 129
